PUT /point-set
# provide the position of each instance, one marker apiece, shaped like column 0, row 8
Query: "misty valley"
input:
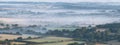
column 59, row 23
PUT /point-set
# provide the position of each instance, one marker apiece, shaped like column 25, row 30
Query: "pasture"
column 10, row 36
column 60, row 43
column 50, row 39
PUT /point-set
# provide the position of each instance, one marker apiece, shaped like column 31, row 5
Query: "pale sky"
column 64, row 0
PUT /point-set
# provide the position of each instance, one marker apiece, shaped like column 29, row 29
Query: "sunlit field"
column 50, row 39
column 61, row 43
column 17, row 43
column 53, row 41
column 10, row 37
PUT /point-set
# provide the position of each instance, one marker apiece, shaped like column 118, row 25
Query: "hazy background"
column 59, row 12
column 65, row 0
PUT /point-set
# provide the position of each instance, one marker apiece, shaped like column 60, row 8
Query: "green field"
column 17, row 43
column 50, row 39
column 11, row 36
column 54, row 40
column 61, row 43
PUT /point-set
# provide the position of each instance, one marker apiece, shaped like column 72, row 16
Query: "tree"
column 7, row 42
column 29, row 37
column 15, row 25
column 19, row 39
column 2, row 24
column 118, row 38
column 18, row 33
column 75, row 43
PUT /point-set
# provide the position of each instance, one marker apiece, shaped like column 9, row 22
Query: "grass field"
column 17, row 43
column 113, row 42
column 50, row 39
column 56, row 40
column 61, row 43
column 10, row 37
